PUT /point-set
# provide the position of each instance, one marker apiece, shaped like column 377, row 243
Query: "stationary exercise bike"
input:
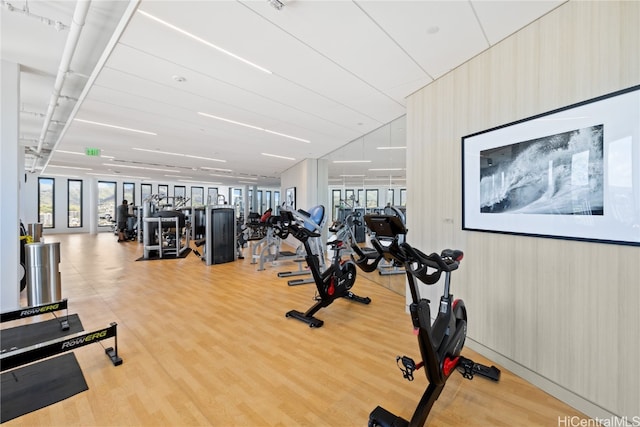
column 332, row 283
column 441, row 342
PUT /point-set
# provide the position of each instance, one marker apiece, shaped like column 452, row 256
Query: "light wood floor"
column 211, row 346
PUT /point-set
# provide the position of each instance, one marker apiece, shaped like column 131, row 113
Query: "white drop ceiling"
column 337, row 70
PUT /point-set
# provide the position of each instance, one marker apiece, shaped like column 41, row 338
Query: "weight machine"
column 165, row 231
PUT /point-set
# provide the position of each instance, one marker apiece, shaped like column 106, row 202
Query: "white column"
column 93, row 206
column 9, row 185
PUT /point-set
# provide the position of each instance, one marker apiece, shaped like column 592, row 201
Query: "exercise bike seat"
column 314, row 219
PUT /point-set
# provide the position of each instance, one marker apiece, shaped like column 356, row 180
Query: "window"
column 403, row 197
column 179, row 192
column 372, row 198
column 74, row 203
column 197, row 196
column 390, row 197
column 106, row 203
column 145, row 190
column 267, row 195
column 46, row 202
column 236, row 200
column 360, row 199
column 163, row 190
column 349, row 198
column 336, row 195
column 129, row 192
column 212, row 195
column 259, row 206
column 276, row 202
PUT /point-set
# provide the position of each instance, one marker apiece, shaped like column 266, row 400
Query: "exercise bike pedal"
column 408, row 366
column 468, row 368
column 491, row 373
column 362, row 300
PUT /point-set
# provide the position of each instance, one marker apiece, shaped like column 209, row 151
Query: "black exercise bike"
column 441, row 342
column 332, row 283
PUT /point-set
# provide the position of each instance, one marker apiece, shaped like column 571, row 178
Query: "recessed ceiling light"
column 179, row 154
column 70, row 167
column 352, row 161
column 118, row 175
column 277, row 156
column 199, row 182
column 253, row 127
column 58, row 174
column 215, row 169
column 139, row 167
column 114, row 126
column 203, row 41
column 70, row 152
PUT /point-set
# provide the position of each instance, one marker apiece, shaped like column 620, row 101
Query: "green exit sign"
column 95, row 152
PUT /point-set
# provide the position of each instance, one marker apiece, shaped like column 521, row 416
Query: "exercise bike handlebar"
column 285, row 223
column 418, row 263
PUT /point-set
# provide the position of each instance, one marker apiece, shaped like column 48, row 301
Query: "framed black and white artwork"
column 572, row 173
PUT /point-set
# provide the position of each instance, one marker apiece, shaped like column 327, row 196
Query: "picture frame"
column 290, row 198
column 571, row 173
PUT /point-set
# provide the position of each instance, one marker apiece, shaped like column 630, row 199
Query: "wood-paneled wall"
column 563, row 313
column 211, row 346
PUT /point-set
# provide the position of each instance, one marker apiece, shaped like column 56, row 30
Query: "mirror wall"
column 370, row 173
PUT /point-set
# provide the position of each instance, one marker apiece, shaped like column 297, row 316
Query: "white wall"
column 310, row 178
column 11, row 168
column 562, row 314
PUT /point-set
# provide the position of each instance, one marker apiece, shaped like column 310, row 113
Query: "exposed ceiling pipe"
column 117, row 33
column 59, row 26
column 79, row 16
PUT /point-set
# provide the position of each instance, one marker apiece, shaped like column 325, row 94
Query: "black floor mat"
column 34, row 333
column 40, row 384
